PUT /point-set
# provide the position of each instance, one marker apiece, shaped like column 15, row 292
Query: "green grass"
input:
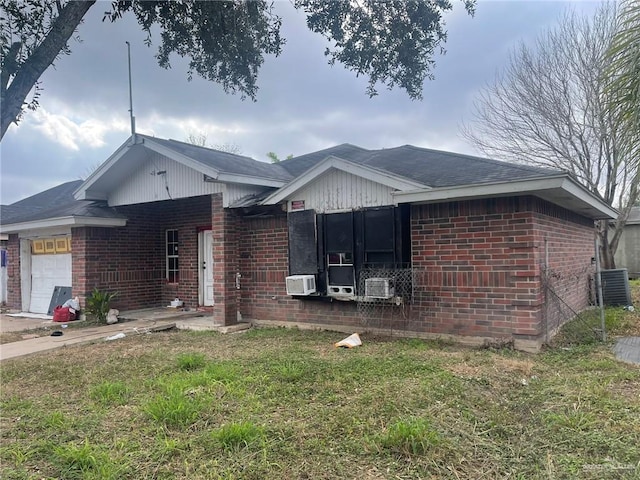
column 110, row 393
column 190, row 361
column 412, row 436
column 175, row 408
column 86, row 461
column 238, row 435
column 274, row 404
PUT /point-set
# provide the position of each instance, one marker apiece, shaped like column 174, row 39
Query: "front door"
column 205, row 241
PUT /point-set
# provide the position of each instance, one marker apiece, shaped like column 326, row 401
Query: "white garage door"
column 47, row 272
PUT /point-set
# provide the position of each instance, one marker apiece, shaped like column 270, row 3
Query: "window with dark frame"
column 343, row 244
column 173, row 272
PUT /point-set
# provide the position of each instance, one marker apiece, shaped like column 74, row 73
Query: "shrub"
column 98, row 303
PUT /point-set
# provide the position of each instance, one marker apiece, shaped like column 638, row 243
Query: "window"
column 172, row 256
column 336, row 247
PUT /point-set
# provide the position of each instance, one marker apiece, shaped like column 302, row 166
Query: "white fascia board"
column 72, row 221
column 209, row 171
column 249, row 180
column 480, row 190
column 368, row 173
column 81, row 192
column 536, row 186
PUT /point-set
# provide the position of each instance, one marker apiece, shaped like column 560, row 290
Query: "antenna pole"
column 133, row 119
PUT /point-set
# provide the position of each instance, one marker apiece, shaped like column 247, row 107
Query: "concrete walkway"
column 79, row 336
column 134, row 323
column 627, row 349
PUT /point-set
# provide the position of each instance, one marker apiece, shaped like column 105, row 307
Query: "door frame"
column 205, row 238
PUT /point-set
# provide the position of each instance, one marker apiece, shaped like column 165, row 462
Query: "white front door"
column 205, row 240
column 47, row 272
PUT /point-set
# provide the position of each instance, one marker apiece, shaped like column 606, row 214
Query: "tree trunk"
column 13, row 98
column 607, row 261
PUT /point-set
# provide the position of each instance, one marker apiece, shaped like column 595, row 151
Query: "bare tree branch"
column 550, row 107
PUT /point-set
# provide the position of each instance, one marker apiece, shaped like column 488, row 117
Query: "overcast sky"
column 303, row 104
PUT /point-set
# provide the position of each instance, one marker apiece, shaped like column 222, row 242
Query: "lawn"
column 286, row 404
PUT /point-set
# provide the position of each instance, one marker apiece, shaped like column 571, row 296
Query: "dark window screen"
column 302, row 243
column 339, row 232
column 378, row 230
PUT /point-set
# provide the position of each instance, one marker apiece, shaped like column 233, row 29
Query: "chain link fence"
column 385, row 297
column 565, row 322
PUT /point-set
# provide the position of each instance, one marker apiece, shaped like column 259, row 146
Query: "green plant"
column 413, row 436
column 237, row 435
column 98, row 303
column 87, row 461
column 190, row 361
column 110, row 393
column 174, row 409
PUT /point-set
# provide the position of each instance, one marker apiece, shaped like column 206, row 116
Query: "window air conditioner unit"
column 301, row 284
column 378, row 288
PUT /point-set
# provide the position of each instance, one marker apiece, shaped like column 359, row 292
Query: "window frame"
column 172, row 274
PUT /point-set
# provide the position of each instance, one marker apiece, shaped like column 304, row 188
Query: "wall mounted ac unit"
column 379, row 288
column 301, row 284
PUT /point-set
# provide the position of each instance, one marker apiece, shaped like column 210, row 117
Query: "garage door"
column 47, row 272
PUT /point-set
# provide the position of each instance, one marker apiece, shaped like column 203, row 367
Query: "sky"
column 303, row 104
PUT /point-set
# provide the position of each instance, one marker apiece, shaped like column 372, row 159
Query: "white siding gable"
column 147, row 184
column 338, row 190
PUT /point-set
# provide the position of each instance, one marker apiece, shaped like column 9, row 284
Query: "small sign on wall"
column 297, row 204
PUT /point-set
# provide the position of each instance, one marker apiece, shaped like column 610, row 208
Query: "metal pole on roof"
column 133, row 119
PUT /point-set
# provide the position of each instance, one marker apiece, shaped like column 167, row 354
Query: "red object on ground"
column 63, row 314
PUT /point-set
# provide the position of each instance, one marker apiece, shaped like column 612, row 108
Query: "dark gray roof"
column 54, row 203
column 430, row 167
column 634, row 216
column 225, row 162
column 298, row 165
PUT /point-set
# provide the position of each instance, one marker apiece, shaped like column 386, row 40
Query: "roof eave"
column 74, row 221
column 559, row 189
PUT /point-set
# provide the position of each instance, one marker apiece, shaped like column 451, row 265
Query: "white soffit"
column 368, row 173
column 560, row 190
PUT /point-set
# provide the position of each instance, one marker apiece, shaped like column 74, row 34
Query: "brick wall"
column 478, row 267
column 476, row 261
column 226, row 265
column 14, row 292
column 566, row 247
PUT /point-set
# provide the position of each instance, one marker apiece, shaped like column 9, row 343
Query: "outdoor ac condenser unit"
column 378, row 288
column 301, row 284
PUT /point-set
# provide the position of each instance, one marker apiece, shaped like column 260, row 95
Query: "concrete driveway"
column 20, row 324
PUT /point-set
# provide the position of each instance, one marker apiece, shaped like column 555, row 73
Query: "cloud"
column 72, row 135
